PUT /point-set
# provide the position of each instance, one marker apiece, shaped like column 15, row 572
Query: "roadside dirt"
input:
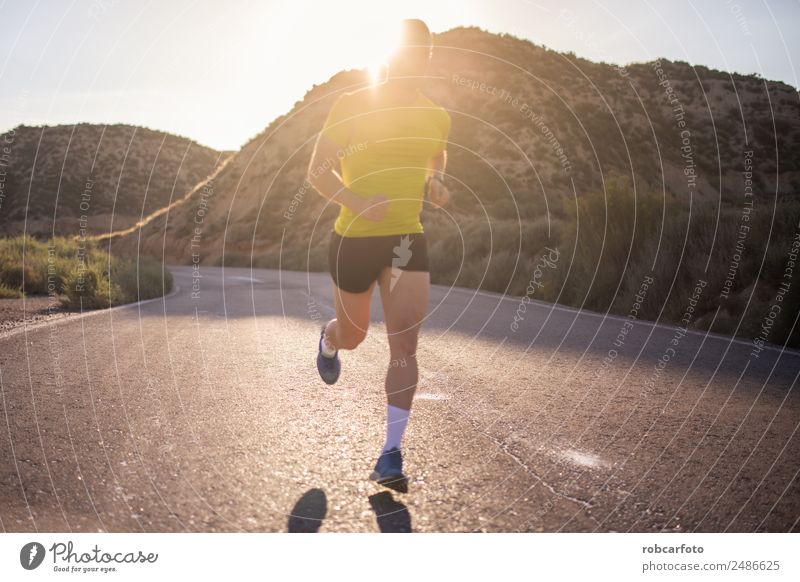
column 15, row 313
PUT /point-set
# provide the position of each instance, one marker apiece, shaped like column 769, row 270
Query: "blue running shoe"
column 389, row 470
column 328, row 368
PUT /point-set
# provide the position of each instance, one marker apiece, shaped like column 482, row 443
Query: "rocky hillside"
column 109, row 174
column 527, row 124
column 655, row 153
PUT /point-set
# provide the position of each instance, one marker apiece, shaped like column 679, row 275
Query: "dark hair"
column 414, row 32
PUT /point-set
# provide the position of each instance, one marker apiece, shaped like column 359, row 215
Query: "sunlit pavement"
column 204, row 412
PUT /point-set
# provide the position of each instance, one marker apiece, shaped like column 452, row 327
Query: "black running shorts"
column 355, row 262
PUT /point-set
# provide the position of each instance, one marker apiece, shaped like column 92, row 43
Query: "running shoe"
column 389, row 470
column 328, row 368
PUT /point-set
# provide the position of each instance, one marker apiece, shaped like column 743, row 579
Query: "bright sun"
column 378, row 45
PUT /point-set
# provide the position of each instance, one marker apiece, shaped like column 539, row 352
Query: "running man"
column 387, row 142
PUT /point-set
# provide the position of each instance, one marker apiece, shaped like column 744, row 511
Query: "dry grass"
column 84, row 277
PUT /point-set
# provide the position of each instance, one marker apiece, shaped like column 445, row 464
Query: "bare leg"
column 405, row 303
column 349, row 328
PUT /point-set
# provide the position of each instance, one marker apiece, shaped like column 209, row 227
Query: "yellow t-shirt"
column 385, row 149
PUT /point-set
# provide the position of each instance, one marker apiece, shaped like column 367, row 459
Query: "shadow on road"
column 393, row 516
column 312, row 507
column 464, row 314
column 308, row 512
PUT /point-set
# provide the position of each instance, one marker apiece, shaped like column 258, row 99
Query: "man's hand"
column 438, row 194
column 373, row 208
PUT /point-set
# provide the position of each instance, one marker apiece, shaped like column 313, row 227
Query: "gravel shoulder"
column 15, row 313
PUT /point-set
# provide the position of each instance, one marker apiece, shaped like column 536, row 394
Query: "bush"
column 608, row 232
column 94, row 286
column 86, row 276
column 9, row 293
column 32, row 266
column 90, row 288
column 608, row 242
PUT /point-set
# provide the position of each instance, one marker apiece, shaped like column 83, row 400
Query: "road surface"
column 206, row 413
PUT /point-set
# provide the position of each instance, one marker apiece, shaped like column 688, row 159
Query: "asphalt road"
column 206, row 413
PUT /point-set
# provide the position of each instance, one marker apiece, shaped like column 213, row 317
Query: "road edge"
column 54, row 322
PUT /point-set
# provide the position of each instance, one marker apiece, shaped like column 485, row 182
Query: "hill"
column 59, row 179
column 648, row 171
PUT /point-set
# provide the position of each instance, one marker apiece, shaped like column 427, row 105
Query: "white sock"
column 327, row 350
column 396, row 420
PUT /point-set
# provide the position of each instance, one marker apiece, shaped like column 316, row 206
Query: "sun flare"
column 378, row 45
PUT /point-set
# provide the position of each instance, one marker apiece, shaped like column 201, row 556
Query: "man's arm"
column 437, row 164
column 437, row 192
column 322, row 175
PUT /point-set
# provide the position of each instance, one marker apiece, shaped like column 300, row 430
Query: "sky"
column 220, row 72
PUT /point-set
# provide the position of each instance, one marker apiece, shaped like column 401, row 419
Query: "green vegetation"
column 513, row 196
column 9, row 293
column 82, row 274
column 610, row 243
column 741, row 257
